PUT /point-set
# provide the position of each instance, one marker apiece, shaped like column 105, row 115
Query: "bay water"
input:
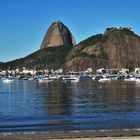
column 59, row 106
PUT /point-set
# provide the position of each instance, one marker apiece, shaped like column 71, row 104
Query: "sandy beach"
column 132, row 134
column 43, row 137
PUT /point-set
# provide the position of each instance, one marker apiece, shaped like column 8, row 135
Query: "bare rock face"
column 58, row 35
column 83, row 63
column 116, row 48
column 124, row 52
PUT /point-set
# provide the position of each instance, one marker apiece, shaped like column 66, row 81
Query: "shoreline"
column 124, row 134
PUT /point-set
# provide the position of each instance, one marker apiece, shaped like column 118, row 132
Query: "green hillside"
column 50, row 58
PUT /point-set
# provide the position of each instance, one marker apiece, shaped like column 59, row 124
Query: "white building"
column 101, row 71
column 137, row 70
column 124, row 71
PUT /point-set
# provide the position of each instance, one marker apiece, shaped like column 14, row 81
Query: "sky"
column 23, row 23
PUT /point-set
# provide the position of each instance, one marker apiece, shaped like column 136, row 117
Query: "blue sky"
column 23, row 23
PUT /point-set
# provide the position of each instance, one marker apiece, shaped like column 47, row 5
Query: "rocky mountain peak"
column 58, row 35
column 116, row 48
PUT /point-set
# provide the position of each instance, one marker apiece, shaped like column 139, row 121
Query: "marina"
column 72, row 77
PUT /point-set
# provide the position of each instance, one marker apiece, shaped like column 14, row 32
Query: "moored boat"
column 9, row 79
column 70, row 78
column 105, row 79
column 43, row 79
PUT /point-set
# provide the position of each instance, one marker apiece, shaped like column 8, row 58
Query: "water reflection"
column 120, row 96
column 58, row 99
column 69, row 106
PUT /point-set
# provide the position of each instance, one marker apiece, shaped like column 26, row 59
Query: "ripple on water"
column 86, row 105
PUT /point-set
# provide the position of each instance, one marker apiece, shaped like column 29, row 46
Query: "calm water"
column 53, row 106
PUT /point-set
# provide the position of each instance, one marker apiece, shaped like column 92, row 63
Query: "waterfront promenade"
column 99, row 138
column 132, row 134
column 43, row 137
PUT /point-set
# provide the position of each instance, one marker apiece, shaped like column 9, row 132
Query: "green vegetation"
column 129, row 64
column 50, row 58
column 84, row 54
column 89, row 42
column 121, row 31
column 102, row 54
column 93, row 40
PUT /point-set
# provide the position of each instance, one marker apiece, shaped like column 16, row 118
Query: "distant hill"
column 116, row 48
column 50, row 58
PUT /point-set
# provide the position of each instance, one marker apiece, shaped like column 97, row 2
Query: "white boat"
column 54, row 77
column 131, row 79
column 104, row 79
column 137, row 80
column 10, row 79
column 93, row 77
column 71, row 78
column 75, row 80
column 30, row 78
column 43, row 79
